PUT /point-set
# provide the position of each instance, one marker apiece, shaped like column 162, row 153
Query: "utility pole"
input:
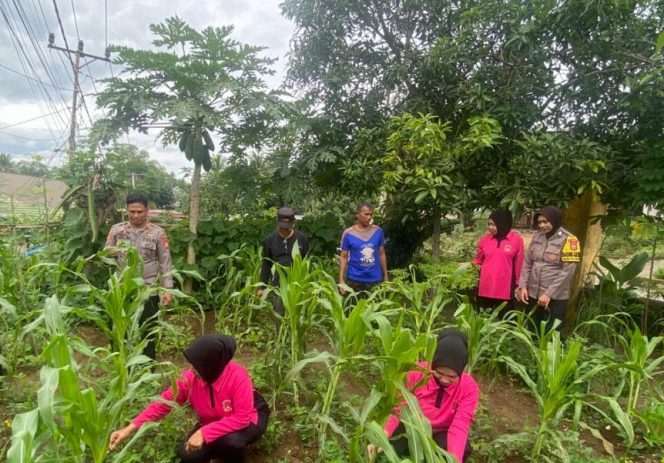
column 76, row 68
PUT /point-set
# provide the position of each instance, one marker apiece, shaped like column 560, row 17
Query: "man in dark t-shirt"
column 278, row 247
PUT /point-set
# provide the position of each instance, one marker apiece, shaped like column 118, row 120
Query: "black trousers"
column 556, row 311
column 400, row 442
column 279, row 309
column 230, row 447
column 491, row 303
column 147, row 322
column 362, row 290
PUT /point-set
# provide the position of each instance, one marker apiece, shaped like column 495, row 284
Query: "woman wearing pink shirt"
column 231, row 413
column 447, row 396
column 500, row 257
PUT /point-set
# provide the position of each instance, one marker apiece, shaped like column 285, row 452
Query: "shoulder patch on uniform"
column 571, row 250
column 164, row 241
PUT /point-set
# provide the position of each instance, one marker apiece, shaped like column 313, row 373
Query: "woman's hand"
column 521, row 295
column 121, row 434
column 195, row 442
column 373, row 452
column 543, row 301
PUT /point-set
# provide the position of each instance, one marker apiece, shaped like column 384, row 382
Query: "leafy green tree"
column 422, row 166
column 132, row 169
column 237, row 186
column 577, row 82
column 198, row 84
column 6, row 163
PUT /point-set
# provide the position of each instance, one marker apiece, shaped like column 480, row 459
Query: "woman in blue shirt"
column 363, row 263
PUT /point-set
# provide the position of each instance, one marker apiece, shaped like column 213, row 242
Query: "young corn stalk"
column 486, row 334
column 238, row 275
column 642, row 364
column 559, row 381
column 348, row 340
column 297, row 292
column 69, row 412
column 398, row 350
column 424, row 301
column 421, row 446
column 643, row 359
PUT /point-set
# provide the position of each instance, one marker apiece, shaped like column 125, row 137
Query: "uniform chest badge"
column 227, row 406
column 508, row 248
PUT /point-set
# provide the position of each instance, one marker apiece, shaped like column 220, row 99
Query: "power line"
column 32, row 119
column 78, row 36
column 26, row 138
column 27, row 66
column 48, row 28
column 76, row 69
column 32, row 78
column 20, row 50
column 53, row 76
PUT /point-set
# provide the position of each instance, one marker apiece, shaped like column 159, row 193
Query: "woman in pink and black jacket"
column 231, row 413
column 500, row 258
column 448, row 397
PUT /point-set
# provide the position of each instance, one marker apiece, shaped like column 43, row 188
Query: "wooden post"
column 13, row 212
column 46, row 227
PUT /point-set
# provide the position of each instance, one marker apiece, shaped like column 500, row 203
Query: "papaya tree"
column 193, row 86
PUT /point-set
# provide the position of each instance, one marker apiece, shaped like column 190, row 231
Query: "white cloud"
column 256, row 22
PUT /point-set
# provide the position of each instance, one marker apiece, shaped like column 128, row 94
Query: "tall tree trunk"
column 194, row 215
column 581, row 218
column 435, row 245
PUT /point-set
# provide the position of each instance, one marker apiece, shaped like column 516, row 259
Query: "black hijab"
column 209, row 354
column 451, row 352
column 503, row 221
column 554, row 216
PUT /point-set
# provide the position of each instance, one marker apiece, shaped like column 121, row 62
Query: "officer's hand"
column 544, row 300
column 521, row 295
column 166, row 298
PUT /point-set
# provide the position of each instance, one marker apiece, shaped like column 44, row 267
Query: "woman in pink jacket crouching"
column 231, row 413
column 447, row 396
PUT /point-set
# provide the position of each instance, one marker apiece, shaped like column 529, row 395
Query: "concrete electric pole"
column 77, row 67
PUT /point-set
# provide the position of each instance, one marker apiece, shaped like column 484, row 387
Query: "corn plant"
column 424, row 302
column 652, row 419
column 642, row 360
column 398, row 350
column 421, row 446
column 485, row 332
column 233, row 290
column 641, row 364
column 348, row 340
column 297, row 292
column 70, row 413
column 558, row 380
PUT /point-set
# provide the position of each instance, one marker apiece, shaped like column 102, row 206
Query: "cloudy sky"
column 36, row 82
